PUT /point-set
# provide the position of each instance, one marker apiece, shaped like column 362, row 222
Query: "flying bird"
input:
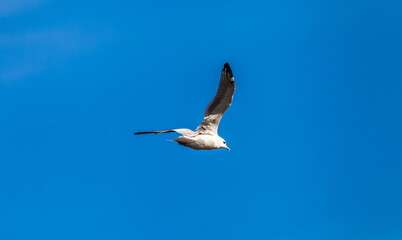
column 206, row 137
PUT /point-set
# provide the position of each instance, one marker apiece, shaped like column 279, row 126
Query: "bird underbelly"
column 200, row 142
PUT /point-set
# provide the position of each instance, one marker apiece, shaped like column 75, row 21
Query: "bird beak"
column 227, row 148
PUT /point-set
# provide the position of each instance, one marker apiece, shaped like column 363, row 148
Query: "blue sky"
column 315, row 127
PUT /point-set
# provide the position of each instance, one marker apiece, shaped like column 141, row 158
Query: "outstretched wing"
column 182, row 131
column 219, row 104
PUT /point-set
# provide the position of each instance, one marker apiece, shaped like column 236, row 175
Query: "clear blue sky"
column 315, row 127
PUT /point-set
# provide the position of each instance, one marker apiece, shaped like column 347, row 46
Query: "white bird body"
column 206, row 137
column 202, row 142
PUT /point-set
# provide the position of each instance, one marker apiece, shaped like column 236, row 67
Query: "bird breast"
column 199, row 142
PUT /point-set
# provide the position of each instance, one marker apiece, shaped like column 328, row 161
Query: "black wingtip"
column 227, row 68
column 137, row 133
column 162, row 131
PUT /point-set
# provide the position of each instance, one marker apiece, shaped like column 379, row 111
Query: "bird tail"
column 161, row 131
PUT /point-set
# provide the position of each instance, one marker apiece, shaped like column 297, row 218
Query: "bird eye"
column 224, row 142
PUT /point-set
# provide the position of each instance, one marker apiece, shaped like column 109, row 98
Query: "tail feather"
column 162, row 131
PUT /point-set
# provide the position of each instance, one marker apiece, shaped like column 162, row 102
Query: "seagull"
column 206, row 137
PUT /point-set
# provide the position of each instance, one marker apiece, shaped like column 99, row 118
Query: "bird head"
column 223, row 144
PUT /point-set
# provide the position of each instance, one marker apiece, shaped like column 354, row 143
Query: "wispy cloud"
column 63, row 39
column 8, row 7
column 19, row 71
column 35, row 51
column 25, row 52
